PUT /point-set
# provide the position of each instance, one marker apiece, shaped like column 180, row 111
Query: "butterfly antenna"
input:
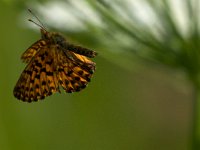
column 40, row 25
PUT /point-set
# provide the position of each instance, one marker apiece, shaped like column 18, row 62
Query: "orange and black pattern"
column 53, row 63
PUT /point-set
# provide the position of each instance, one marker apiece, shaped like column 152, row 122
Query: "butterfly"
column 53, row 62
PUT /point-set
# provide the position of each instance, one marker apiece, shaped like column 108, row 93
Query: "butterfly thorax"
column 53, row 37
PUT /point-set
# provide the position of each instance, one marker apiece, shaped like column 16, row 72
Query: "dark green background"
column 121, row 109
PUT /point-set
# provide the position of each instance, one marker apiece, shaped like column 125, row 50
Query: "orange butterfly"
column 53, row 62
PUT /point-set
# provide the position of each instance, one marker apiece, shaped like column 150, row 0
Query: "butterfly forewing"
column 37, row 80
column 32, row 50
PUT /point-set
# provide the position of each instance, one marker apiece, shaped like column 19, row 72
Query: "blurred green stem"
column 196, row 120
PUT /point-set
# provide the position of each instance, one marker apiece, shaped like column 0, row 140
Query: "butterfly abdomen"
column 81, row 50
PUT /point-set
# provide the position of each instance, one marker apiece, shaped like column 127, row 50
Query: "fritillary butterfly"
column 53, row 62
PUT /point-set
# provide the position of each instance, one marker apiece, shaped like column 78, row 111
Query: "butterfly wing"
column 32, row 50
column 74, row 71
column 38, row 79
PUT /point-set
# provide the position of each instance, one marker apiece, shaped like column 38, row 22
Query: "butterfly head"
column 45, row 34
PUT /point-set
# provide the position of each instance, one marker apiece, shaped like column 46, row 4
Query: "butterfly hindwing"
column 72, row 73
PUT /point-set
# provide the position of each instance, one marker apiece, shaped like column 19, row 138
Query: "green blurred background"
column 129, row 105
